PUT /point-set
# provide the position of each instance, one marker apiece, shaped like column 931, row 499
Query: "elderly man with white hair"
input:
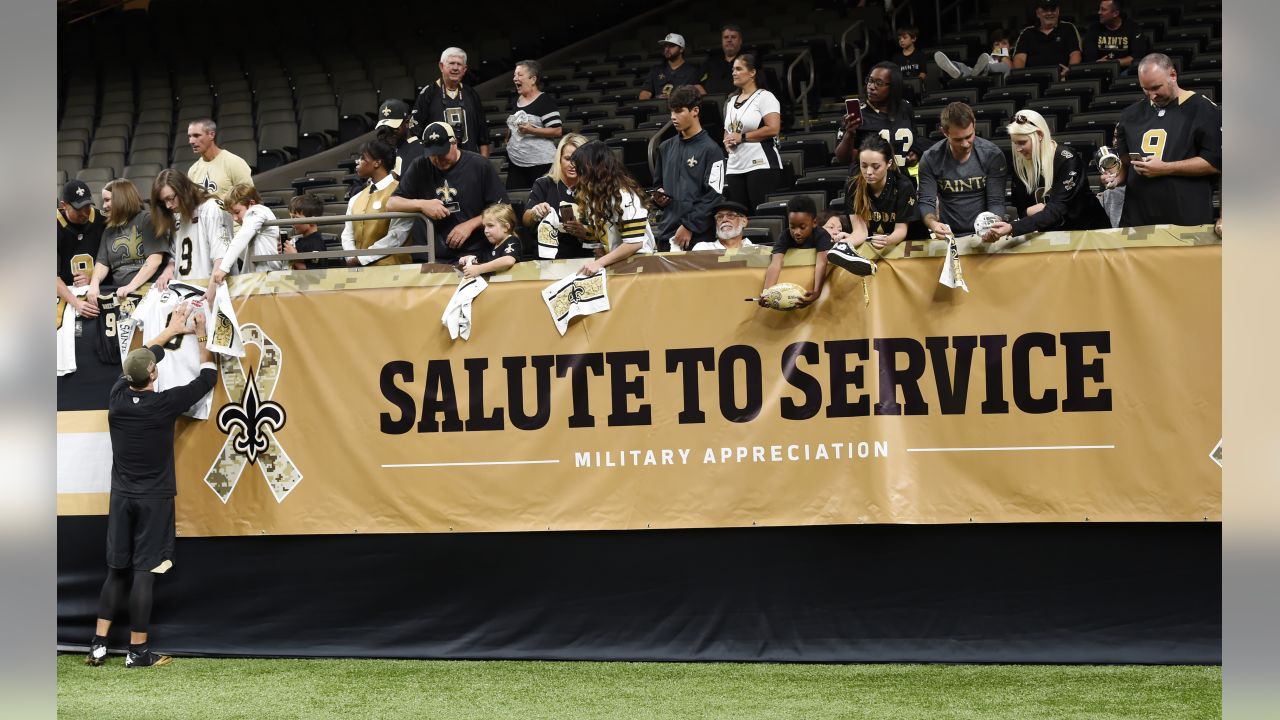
column 447, row 100
column 730, row 220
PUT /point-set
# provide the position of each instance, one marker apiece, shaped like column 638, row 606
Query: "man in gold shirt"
column 216, row 170
column 377, row 158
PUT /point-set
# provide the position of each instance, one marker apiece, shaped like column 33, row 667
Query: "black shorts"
column 140, row 533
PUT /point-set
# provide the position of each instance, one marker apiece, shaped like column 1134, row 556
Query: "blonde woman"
column 1050, row 187
column 557, row 237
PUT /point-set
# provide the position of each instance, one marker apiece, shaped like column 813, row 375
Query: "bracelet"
column 202, row 338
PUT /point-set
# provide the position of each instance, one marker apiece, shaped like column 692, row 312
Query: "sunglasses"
column 1022, row 119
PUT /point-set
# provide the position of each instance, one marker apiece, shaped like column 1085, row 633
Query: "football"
column 783, row 296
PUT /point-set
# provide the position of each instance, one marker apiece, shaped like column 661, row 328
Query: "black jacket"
column 692, row 173
column 1069, row 205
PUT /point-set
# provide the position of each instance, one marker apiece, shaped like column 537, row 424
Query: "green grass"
column 375, row 689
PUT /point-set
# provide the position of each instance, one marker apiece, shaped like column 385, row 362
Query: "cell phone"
column 853, row 107
column 1136, row 157
column 566, row 213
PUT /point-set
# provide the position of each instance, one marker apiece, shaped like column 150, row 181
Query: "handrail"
column 953, row 5
column 430, row 247
column 860, row 52
column 894, row 11
column 654, row 141
column 803, row 96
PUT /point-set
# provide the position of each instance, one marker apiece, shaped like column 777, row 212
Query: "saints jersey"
column 114, row 322
column 634, row 226
column 181, row 362
column 898, row 129
column 895, row 204
column 1189, row 126
column 198, row 245
column 78, row 245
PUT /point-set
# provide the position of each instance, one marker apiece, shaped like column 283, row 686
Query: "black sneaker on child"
column 843, row 256
column 145, row 658
column 97, row 652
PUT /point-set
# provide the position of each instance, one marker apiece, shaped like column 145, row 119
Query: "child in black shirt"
column 803, row 232
column 499, row 229
column 307, row 237
column 910, row 60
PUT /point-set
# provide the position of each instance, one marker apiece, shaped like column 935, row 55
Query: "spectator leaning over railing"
column 215, row 169
column 1051, row 189
column 962, row 177
column 193, row 222
column 375, row 163
column 689, row 173
column 1178, row 133
column 802, row 233
column 553, row 191
column 503, row 251
column 752, row 121
column 130, row 254
column 533, row 127
column 448, row 100
column 672, row 72
column 245, row 205
column 80, row 227
column 1114, row 38
column 612, row 206
column 880, row 199
column 884, row 113
column 450, row 187
column 1049, row 43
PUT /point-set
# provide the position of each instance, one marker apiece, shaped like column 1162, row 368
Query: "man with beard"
column 730, row 219
column 674, row 72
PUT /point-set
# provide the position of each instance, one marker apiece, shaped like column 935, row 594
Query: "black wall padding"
column 1037, row 593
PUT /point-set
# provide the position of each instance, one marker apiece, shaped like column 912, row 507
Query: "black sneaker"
column 97, row 654
column 146, row 658
column 843, row 256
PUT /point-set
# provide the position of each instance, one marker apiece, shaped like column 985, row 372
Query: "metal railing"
column 802, row 96
column 897, row 9
column 429, row 248
column 654, row 141
column 859, row 53
column 940, row 10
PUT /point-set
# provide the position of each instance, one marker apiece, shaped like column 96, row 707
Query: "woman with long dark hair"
column 880, row 199
column 612, row 206
column 884, row 113
column 193, row 222
column 752, row 120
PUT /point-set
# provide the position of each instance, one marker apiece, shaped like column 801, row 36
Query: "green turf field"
column 371, row 689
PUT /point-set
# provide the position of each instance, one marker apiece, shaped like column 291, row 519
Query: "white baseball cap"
column 672, row 38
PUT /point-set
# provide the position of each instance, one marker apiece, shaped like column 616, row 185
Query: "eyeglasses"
column 1022, row 119
column 877, row 82
column 727, row 215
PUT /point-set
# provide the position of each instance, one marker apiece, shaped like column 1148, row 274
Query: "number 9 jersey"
column 198, row 246
column 1189, row 126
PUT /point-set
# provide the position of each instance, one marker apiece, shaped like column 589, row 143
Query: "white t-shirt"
column 634, row 226
column 198, row 246
column 717, row 245
column 265, row 240
column 747, row 117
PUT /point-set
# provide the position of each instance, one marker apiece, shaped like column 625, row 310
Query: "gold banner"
column 1066, row 387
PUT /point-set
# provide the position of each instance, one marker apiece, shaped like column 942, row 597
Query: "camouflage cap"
column 137, row 366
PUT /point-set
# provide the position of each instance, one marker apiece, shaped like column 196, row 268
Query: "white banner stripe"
column 1012, row 449
column 468, row 464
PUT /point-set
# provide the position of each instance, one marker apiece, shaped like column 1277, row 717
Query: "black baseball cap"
column 392, row 113
column 77, row 194
column 436, row 138
column 730, row 205
column 1047, row 3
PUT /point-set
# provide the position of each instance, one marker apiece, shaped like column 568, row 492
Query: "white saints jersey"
column 197, row 246
column 181, row 363
column 253, row 233
column 633, row 227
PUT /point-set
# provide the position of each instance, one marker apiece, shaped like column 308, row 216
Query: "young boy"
column 998, row 61
column 246, row 208
column 499, row 228
column 803, row 232
column 909, row 60
column 308, row 237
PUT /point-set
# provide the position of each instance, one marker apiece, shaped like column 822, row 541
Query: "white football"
column 783, row 296
column 983, row 223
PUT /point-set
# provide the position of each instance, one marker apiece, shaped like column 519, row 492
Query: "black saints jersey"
column 78, row 245
column 895, row 204
column 1189, row 126
column 114, row 315
column 897, row 128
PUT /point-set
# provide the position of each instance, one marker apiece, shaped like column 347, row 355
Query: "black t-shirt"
column 819, row 240
column 1189, row 126
column 911, row 65
column 141, row 425
column 662, row 79
column 897, row 128
column 466, row 189
column 315, row 243
column 717, row 73
column 1070, row 203
column 78, row 245
column 1048, row 50
column 1125, row 41
column 463, row 110
column 555, row 194
column 895, row 204
column 509, row 247
column 406, row 153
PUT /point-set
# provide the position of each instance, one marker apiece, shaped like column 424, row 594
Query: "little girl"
column 499, row 228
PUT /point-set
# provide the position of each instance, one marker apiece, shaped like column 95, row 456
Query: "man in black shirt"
column 1114, row 39
column 451, row 187
column 1179, row 135
column 689, row 172
column 448, row 100
column 674, row 72
column 140, row 523
column 717, row 70
column 80, row 228
column 1049, row 44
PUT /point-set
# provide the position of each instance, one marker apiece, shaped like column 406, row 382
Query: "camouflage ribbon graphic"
column 251, row 421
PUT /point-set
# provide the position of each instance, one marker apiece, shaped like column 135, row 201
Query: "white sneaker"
column 980, row 67
column 946, row 65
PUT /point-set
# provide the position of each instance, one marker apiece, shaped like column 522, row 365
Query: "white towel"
column 549, row 236
column 222, row 325
column 952, row 276
column 457, row 314
column 576, row 295
column 67, row 334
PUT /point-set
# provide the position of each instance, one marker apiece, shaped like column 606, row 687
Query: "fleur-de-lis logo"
column 130, row 245
column 79, row 192
column 446, row 192
column 250, row 416
column 691, row 161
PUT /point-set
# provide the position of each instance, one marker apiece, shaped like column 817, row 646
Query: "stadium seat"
column 1020, row 94
column 772, row 227
column 319, row 128
column 944, row 96
column 401, row 87
column 142, row 173
column 71, row 147
column 1114, row 101
column 115, row 161
column 1104, row 71
column 277, row 145
column 776, row 203
column 1086, row 90
column 1042, row 76
column 104, row 174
